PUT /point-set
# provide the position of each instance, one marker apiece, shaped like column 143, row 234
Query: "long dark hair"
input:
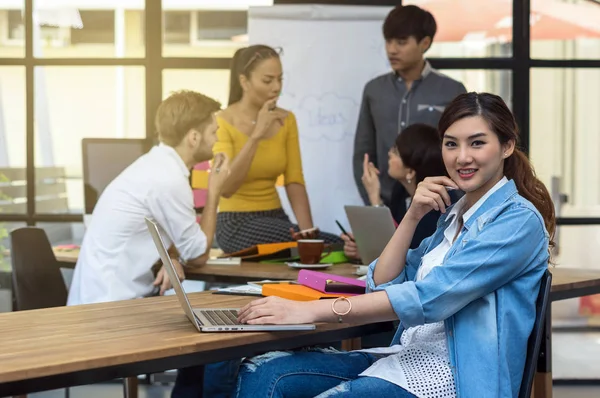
column 517, row 166
column 420, row 148
column 244, row 62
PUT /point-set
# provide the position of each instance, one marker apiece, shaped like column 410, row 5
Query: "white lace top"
column 420, row 363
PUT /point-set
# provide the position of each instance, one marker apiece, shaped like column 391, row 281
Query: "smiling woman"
column 474, row 160
column 485, row 258
column 484, row 150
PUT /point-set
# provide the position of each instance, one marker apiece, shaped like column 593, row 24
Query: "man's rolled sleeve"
column 173, row 209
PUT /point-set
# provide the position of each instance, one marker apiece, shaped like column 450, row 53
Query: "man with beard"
column 412, row 93
column 117, row 254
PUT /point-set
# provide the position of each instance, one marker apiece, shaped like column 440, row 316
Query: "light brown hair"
column 182, row 111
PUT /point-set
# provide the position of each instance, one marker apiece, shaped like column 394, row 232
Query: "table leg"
column 542, row 383
column 130, row 387
column 351, row 344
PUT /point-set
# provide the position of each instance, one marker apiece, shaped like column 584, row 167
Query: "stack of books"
column 314, row 285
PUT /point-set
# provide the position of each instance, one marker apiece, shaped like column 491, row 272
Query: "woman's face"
column 396, row 168
column 265, row 81
column 474, row 156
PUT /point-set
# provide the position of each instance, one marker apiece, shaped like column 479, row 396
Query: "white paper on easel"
column 329, row 54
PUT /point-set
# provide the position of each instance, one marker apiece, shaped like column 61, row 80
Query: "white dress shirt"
column 118, row 252
column 420, row 363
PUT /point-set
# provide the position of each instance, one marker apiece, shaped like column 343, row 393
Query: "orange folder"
column 297, row 292
column 265, row 251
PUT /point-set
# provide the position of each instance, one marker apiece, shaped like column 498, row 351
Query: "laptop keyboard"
column 221, row 317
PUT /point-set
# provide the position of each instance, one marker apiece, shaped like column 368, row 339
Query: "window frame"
column 154, row 62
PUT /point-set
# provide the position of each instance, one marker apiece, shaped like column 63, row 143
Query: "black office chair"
column 537, row 335
column 38, row 283
column 36, row 277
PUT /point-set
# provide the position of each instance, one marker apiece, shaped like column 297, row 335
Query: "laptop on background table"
column 209, row 319
column 372, row 227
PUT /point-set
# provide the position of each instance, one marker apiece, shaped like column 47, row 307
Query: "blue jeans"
column 219, row 379
column 314, row 373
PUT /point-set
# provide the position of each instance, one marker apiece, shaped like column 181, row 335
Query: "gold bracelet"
column 341, row 314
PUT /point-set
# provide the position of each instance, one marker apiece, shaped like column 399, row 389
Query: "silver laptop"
column 209, row 319
column 373, row 227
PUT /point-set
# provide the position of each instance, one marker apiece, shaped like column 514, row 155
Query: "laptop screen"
column 170, row 268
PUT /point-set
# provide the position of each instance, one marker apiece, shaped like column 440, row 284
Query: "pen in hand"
column 344, row 231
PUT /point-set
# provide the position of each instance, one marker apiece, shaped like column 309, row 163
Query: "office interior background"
column 102, row 68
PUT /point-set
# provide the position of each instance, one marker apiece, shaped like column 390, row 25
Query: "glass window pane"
column 12, row 29
column 211, row 82
column 497, row 82
column 467, row 28
column 13, row 187
column 565, row 135
column 72, row 103
column 565, row 29
column 78, row 31
column 63, row 233
column 571, row 241
column 5, row 264
column 206, row 31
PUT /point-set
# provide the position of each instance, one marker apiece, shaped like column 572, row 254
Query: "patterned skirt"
column 239, row 230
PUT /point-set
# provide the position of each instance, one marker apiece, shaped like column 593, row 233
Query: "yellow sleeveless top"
column 276, row 156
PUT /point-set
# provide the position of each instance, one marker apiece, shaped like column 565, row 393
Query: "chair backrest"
column 103, row 160
column 537, row 335
column 36, row 277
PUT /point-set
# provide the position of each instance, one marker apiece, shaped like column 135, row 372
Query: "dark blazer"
column 428, row 223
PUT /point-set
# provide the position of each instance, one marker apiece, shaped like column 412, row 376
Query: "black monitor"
column 103, row 160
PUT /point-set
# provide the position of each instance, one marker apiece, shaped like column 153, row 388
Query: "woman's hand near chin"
column 431, row 194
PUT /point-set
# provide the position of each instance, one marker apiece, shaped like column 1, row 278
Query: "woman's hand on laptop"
column 162, row 278
column 276, row 311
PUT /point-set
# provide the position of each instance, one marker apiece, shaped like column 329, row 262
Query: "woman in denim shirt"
column 465, row 298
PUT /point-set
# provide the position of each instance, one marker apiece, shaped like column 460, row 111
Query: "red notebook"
column 331, row 284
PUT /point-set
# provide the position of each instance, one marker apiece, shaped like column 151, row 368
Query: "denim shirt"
column 484, row 291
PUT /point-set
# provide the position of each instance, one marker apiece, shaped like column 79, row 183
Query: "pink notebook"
column 328, row 283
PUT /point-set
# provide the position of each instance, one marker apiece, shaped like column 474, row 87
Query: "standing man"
column 413, row 92
column 117, row 253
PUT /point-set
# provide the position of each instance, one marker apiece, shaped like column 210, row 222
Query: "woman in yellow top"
column 262, row 141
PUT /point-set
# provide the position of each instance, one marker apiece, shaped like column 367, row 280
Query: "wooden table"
column 574, row 282
column 66, row 255
column 67, row 346
column 566, row 283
